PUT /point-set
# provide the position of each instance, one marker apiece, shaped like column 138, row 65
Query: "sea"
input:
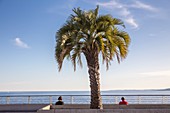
column 83, row 97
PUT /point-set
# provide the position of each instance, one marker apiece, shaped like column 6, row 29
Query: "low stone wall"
column 84, row 108
column 107, row 111
column 109, row 108
column 23, row 107
column 114, row 106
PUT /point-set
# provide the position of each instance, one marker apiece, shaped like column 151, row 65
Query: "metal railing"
column 84, row 99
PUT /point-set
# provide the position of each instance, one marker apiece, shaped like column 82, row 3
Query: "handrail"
column 79, row 95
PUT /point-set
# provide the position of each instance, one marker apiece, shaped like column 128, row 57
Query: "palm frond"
column 85, row 31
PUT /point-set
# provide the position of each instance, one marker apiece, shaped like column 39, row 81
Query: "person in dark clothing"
column 59, row 102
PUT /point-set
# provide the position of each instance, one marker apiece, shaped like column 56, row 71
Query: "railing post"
column 116, row 100
column 163, row 99
column 7, row 99
column 50, row 99
column 71, row 99
column 139, row 99
column 29, row 99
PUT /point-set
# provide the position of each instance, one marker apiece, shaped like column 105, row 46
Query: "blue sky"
column 27, row 43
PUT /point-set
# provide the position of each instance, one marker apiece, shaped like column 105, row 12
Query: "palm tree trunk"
column 93, row 65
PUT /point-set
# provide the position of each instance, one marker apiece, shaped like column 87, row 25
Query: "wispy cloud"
column 157, row 73
column 124, row 10
column 20, row 83
column 140, row 5
column 17, row 83
column 132, row 22
column 152, row 35
column 20, row 43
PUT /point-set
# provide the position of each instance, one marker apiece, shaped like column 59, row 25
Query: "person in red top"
column 123, row 101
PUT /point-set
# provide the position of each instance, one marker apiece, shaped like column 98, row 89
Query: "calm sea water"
column 83, row 97
column 111, row 92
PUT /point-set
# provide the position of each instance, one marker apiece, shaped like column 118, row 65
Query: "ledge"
column 113, row 106
column 84, row 108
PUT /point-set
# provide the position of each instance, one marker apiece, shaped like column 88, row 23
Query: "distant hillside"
column 168, row 89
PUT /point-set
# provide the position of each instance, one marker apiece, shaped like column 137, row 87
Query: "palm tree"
column 89, row 34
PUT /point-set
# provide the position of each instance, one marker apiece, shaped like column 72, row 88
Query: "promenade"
column 84, row 108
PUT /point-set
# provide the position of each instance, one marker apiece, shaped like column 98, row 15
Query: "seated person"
column 123, row 101
column 59, row 102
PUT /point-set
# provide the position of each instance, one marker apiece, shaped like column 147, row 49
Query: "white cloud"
column 144, row 6
column 157, row 73
column 16, row 83
column 20, row 43
column 20, row 83
column 132, row 22
column 111, row 4
column 122, row 10
column 152, row 35
column 125, row 12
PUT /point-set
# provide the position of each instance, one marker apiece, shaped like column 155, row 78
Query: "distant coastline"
column 166, row 89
